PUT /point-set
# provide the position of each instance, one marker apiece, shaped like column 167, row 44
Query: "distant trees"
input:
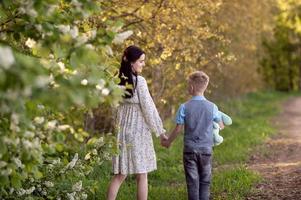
column 281, row 65
column 221, row 37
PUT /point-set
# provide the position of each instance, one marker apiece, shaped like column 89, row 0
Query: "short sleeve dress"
column 137, row 119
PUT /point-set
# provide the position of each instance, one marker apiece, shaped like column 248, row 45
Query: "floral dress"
column 137, row 118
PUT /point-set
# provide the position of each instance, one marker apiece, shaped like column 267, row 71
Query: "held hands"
column 164, row 141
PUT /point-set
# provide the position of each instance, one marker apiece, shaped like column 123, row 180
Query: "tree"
column 54, row 66
column 281, row 65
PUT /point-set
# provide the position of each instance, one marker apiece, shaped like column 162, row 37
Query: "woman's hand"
column 164, row 141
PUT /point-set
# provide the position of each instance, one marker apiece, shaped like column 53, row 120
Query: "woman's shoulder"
column 141, row 78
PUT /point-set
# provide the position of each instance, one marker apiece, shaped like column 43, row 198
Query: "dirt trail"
column 279, row 162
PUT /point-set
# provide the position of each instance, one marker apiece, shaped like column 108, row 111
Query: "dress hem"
column 142, row 172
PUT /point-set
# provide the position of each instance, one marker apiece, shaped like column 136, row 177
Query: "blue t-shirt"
column 180, row 117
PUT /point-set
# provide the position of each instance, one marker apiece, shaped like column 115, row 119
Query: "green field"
column 231, row 180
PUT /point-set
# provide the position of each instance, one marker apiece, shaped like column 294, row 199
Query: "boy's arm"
column 173, row 135
column 217, row 117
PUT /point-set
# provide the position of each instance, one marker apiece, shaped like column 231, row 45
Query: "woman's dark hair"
column 130, row 55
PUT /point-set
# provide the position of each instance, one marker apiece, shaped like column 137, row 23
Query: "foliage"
column 54, row 67
column 175, row 46
column 281, row 65
column 221, row 37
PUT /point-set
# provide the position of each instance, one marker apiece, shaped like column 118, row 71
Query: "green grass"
column 251, row 116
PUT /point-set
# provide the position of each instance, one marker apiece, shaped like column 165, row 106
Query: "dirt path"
column 279, row 162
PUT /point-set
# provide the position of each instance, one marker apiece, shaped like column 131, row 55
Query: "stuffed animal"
column 217, row 138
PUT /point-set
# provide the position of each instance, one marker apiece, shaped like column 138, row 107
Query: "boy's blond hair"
column 199, row 80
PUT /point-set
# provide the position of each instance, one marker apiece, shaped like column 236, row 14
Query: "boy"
column 196, row 115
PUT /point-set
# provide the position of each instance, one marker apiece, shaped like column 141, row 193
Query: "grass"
column 251, row 126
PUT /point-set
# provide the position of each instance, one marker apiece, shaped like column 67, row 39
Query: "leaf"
column 37, row 174
column 4, row 181
column 60, row 137
column 16, row 180
column 59, row 147
column 3, row 148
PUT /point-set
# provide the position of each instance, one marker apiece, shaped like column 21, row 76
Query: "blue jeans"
column 197, row 166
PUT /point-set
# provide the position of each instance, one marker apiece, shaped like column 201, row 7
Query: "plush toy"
column 217, row 138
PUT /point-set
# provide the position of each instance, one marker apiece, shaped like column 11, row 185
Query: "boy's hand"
column 165, row 143
column 163, row 137
column 221, row 125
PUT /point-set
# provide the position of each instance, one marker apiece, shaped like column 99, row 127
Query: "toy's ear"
column 226, row 119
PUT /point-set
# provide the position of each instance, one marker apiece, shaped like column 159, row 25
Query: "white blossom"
column 120, row 37
column 82, row 39
column 76, row 4
column 48, row 184
column 106, row 156
column 100, row 84
column 7, row 58
column 39, row 120
column 36, row 143
column 61, row 66
column 71, row 164
column 51, row 125
column 11, row 190
column 2, row 163
column 77, row 186
column 29, row 134
column 99, row 87
column 30, row 43
column 15, row 118
column 105, row 92
column 27, row 144
column 44, row 192
column 64, row 127
column 109, row 50
column 84, row 82
column 51, row 56
column 22, row 10
column 21, row 192
column 57, row 161
column 88, row 156
column 51, row 9
column 74, row 32
column 75, row 72
column 64, row 28
column 90, row 46
column 42, row 81
column 32, row 12
column 71, row 196
column 40, row 106
column 6, row 172
column 84, row 196
column 27, row 91
column 94, row 152
column 39, row 27
column 91, row 34
column 30, row 190
column 18, row 163
column 14, row 122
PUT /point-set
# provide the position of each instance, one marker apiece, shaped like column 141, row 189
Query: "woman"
column 137, row 117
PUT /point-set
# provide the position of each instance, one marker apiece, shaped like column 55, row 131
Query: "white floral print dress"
column 137, row 118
